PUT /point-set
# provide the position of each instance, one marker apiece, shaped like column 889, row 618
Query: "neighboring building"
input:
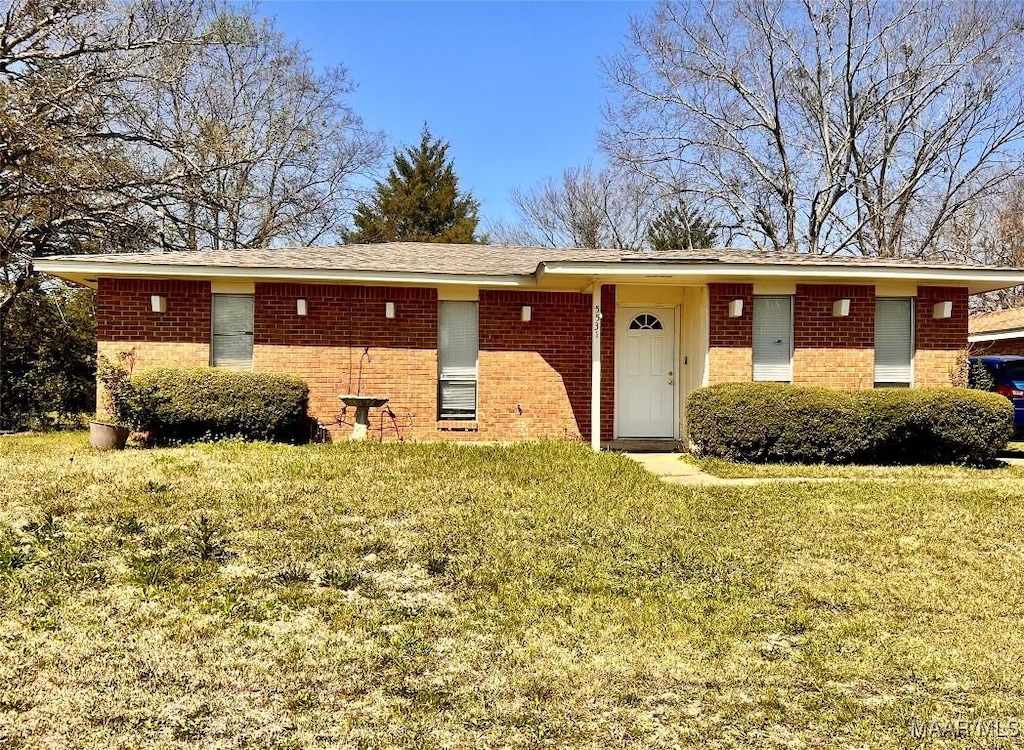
column 997, row 332
column 475, row 342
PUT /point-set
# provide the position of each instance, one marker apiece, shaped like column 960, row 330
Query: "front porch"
column 660, row 342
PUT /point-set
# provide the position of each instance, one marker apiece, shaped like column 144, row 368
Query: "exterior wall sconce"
column 943, row 309
column 841, row 308
column 301, row 308
column 526, row 314
column 389, row 310
column 736, row 308
column 158, row 303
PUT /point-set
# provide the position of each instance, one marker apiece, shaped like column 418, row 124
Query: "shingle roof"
column 997, row 320
column 478, row 260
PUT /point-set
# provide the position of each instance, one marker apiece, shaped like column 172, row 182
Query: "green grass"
column 735, row 470
column 434, row 596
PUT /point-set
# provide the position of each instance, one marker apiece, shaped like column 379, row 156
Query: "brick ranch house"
column 473, row 342
column 997, row 332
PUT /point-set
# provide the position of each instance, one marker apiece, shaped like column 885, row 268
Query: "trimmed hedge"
column 201, row 403
column 775, row 422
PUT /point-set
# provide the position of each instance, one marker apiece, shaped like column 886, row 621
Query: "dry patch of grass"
column 364, row 596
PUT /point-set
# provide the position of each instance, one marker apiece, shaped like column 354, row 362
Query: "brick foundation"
column 730, row 364
column 147, row 354
column 847, row 369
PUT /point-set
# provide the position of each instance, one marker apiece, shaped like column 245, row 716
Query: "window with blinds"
column 232, row 331
column 773, row 338
column 894, row 341
column 457, row 346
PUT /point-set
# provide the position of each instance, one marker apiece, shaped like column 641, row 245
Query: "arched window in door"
column 645, row 322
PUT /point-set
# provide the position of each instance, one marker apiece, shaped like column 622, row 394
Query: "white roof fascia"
column 142, row 270
column 1014, row 333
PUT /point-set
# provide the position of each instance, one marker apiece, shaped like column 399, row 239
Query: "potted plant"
column 120, row 403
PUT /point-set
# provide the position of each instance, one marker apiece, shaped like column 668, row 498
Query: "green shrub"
column 774, row 422
column 180, row 405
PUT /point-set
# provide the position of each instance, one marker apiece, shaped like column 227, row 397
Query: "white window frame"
column 764, row 376
column 235, row 363
column 891, row 382
column 457, row 373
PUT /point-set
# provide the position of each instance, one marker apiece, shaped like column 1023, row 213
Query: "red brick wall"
column 726, row 331
column 815, row 327
column 534, row 378
column 345, row 344
column 345, row 316
column 124, row 311
column 938, row 341
column 945, row 333
column 729, row 339
column 533, row 381
column 829, row 351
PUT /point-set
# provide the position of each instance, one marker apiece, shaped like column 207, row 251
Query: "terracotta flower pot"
column 107, row 436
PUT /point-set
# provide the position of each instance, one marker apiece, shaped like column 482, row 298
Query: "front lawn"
column 433, row 596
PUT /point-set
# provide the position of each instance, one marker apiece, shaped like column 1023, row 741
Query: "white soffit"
column 1014, row 333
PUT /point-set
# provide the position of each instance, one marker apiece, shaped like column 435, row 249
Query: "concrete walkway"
column 669, row 467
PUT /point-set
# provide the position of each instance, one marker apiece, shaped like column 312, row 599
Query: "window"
column 457, row 344
column 773, row 338
column 645, row 322
column 894, row 341
column 232, row 331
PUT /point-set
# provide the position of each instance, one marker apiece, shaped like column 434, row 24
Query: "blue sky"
column 514, row 87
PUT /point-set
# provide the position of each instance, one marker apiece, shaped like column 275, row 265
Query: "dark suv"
column 1007, row 373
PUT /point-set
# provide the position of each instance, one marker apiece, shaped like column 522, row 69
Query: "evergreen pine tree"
column 675, row 228
column 419, row 201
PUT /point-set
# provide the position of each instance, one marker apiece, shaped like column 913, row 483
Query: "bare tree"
column 826, row 127
column 67, row 183
column 268, row 145
column 991, row 232
column 182, row 123
column 609, row 208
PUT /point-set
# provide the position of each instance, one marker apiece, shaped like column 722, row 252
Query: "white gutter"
column 1015, row 333
column 97, row 269
column 733, row 270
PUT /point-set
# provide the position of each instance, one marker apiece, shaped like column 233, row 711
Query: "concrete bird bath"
column 363, row 404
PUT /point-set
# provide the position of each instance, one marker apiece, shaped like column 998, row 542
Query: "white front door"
column 645, row 405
